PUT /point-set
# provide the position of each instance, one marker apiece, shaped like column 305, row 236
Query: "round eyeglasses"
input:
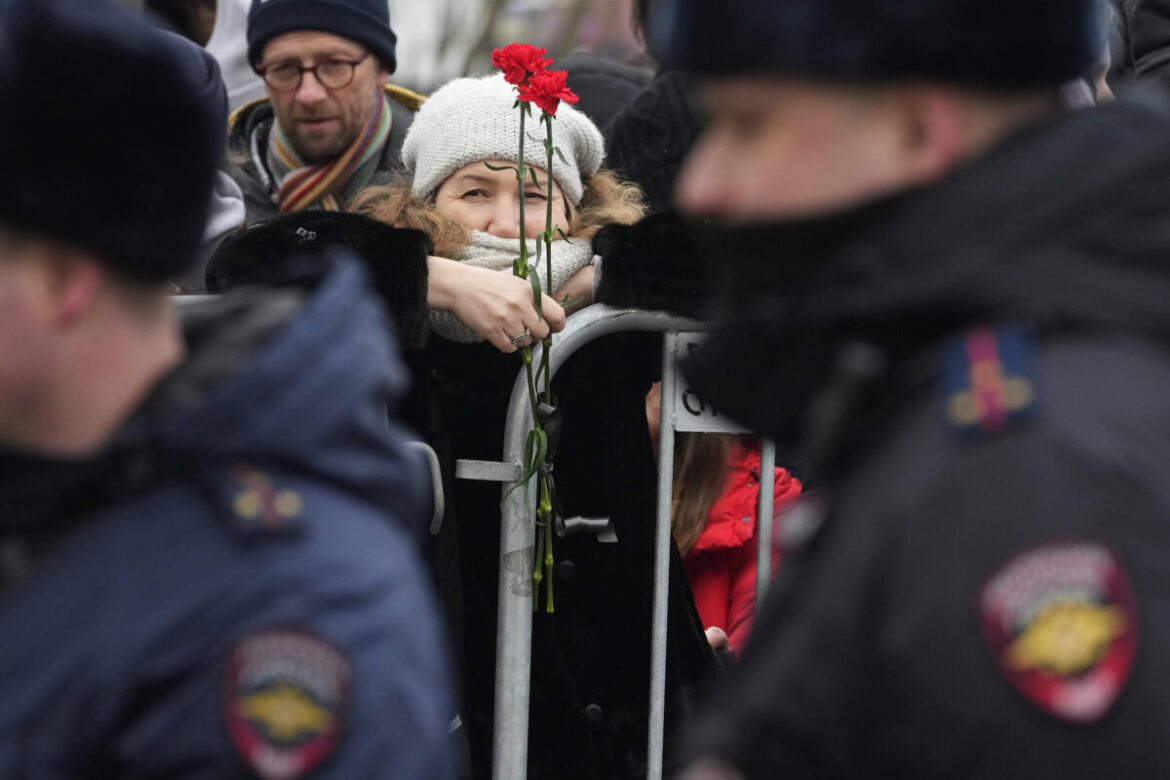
column 331, row 73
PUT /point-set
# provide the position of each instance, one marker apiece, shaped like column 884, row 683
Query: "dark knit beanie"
column 995, row 44
column 364, row 21
column 122, row 162
column 649, row 139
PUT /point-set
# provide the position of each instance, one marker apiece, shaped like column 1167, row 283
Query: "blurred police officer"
column 332, row 124
column 954, row 294
column 205, row 569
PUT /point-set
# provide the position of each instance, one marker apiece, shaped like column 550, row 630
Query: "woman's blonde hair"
column 607, row 200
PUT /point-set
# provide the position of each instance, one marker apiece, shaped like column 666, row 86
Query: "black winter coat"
column 591, row 657
column 970, row 594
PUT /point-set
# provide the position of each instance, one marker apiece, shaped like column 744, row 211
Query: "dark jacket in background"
column 1144, row 33
column 603, row 84
column 878, row 653
column 258, row 493
column 591, row 657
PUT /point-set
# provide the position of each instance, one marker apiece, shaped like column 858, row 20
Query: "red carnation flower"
column 547, row 89
column 519, row 61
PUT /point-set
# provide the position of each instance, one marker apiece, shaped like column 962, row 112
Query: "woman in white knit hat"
column 472, row 212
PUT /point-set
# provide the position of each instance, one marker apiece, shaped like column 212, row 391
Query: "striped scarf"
column 331, row 184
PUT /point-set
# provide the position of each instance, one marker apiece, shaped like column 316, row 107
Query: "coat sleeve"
column 742, row 604
column 742, row 596
column 784, row 710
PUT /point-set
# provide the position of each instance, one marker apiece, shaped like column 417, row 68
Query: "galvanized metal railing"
column 518, row 526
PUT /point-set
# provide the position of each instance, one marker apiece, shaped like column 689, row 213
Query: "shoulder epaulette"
column 234, row 116
column 258, row 506
column 406, row 97
column 989, row 379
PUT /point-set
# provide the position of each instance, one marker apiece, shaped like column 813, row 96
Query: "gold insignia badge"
column 286, row 713
column 1066, row 638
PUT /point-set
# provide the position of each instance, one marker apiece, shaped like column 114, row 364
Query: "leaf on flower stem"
column 541, row 447
column 500, row 167
column 535, row 181
column 534, row 280
column 561, row 233
column 557, row 149
column 568, row 301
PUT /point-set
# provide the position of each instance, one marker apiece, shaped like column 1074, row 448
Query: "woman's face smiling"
column 487, row 200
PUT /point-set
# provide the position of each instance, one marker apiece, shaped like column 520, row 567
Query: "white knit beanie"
column 472, row 119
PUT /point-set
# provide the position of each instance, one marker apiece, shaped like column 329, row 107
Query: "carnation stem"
column 547, row 237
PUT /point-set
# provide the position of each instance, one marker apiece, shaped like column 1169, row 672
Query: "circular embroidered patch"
column 285, row 697
column 1061, row 621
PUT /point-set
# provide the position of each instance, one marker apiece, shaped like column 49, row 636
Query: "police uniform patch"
column 285, row 698
column 987, row 376
column 1061, row 621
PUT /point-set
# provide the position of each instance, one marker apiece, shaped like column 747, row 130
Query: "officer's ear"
column 74, row 279
column 933, row 135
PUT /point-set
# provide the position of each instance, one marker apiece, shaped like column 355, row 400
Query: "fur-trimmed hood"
column 288, row 250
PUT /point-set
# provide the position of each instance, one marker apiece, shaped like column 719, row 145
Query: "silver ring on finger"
column 523, row 337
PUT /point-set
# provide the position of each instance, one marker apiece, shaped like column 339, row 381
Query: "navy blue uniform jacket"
column 232, row 588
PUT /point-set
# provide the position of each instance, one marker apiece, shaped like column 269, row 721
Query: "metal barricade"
column 518, row 526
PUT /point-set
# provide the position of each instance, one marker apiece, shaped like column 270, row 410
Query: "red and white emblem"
column 1061, row 621
column 285, row 697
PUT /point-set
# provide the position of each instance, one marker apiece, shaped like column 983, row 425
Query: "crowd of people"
column 932, row 248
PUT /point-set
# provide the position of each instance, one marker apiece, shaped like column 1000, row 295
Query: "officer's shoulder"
column 1003, row 400
column 407, row 98
column 1007, row 382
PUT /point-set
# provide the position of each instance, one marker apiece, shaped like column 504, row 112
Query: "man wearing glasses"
column 331, row 123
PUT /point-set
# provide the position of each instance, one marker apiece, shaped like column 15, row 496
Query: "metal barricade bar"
column 518, row 534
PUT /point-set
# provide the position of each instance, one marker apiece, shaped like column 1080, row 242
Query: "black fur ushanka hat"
column 994, row 44
column 110, row 133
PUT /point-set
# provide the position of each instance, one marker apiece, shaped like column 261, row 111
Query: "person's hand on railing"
column 578, row 289
column 497, row 306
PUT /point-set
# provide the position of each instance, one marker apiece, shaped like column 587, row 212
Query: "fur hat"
column 124, row 165
column 996, row 44
column 364, row 21
column 289, row 250
column 473, row 119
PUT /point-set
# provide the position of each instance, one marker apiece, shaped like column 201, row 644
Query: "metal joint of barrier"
column 518, row 525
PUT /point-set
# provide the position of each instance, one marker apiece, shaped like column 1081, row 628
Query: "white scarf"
column 497, row 254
